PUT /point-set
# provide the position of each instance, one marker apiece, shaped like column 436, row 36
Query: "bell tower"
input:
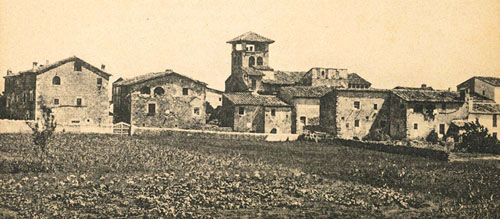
column 250, row 50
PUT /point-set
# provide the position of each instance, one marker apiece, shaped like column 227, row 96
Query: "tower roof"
column 250, row 37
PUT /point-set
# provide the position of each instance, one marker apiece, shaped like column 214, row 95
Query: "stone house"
column 354, row 113
column 162, row 99
column 214, row 97
column 332, row 77
column 306, row 105
column 487, row 114
column 416, row 112
column 75, row 90
column 481, row 87
column 246, row 112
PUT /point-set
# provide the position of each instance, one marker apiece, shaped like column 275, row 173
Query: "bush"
column 432, row 137
column 477, row 139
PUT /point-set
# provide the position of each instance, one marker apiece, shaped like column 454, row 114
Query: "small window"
column 241, row 110
column 99, row 81
column 196, row 110
column 303, row 120
column 484, row 93
column 145, row 90
column 78, row 101
column 260, row 61
column 56, row 101
column 441, row 129
column 356, row 123
column 494, row 120
column 220, row 99
column 75, row 121
column 273, row 131
column 443, row 106
column 322, row 73
column 56, row 80
column 78, row 66
column 495, row 135
column 185, row 91
column 159, row 91
column 375, row 106
column 347, row 125
column 342, row 118
column 356, row 105
column 415, row 126
column 251, row 61
column 151, row 109
column 273, row 112
column 254, row 84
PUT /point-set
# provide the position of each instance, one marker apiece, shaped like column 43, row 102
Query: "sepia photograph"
column 249, row 109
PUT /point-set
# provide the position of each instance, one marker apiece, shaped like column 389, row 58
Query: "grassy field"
column 177, row 175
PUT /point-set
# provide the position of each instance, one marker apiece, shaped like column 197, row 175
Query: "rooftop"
column 285, row 77
column 151, row 76
column 490, row 80
column 250, row 37
column 419, row 95
column 356, row 79
column 255, row 100
column 306, row 91
column 486, row 108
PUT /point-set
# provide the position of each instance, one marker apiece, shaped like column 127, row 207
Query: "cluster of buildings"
column 257, row 98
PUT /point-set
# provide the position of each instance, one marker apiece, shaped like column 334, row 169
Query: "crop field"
column 177, row 175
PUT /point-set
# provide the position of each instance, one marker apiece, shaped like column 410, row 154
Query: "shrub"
column 42, row 132
column 432, row 137
column 476, row 138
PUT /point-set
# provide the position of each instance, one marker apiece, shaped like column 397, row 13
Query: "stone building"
column 214, row 97
column 246, row 112
column 481, row 87
column 355, row 113
column 487, row 114
column 162, row 99
column 306, row 105
column 75, row 90
column 416, row 112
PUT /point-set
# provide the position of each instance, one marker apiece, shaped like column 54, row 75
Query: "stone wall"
column 308, row 108
column 20, row 93
column 397, row 127
column 487, row 121
column 173, row 109
column 281, row 121
column 252, row 119
column 481, row 86
column 74, row 84
column 325, row 77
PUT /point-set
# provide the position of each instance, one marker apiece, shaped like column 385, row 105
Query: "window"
column 159, row 91
column 443, row 106
column 322, row 73
column 250, row 48
column 495, row 135
column 342, row 118
column 441, row 129
column 197, row 111
column 356, row 105
column 356, row 123
column 78, row 66
column 484, row 93
column 56, row 101
column 56, row 80
column 347, row 125
column 260, row 61
column 415, row 126
column 241, row 110
column 151, row 109
column 145, row 90
column 375, row 106
column 99, row 81
column 78, row 101
column 185, row 91
column 494, row 120
column 273, row 112
column 75, row 121
column 220, row 99
column 303, row 120
column 254, row 84
column 273, row 131
column 251, row 61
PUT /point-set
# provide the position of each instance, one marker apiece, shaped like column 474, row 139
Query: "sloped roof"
column 480, row 99
column 490, row 80
column 153, row 75
column 244, row 98
column 459, row 123
column 250, row 37
column 306, row 91
column 214, row 90
column 45, row 68
column 412, row 95
column 486, row 108
column 285, row 77
column 414, row 88
column 262, row 67
column 252, row 71
column 354, row 78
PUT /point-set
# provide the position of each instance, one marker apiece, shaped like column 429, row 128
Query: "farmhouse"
column 75, row 90
column 162, row 99
column 481, row 88
column 355, row 113
column 247, row 112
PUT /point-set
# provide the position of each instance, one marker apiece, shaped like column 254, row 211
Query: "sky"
column 390, row 43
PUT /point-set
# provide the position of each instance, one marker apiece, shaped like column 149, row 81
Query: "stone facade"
column 354, row 113
column 330, row 77
column 214, row 97
column 164, row 100
column 75, row 91
column 487, row 87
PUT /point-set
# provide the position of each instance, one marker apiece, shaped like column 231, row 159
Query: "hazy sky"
column 440, row 43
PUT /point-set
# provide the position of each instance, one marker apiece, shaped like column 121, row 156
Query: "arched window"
column 260, row 61
column 273, row 131
column 56, row 80
column 159, row 91
column 251, row 61
column 145, row 90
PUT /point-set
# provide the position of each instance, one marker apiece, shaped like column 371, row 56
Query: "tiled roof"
column 306, row 91
column 285, row 78
column 153, row 75
column 214, row 90
column 412, row 95
column 490, row 80
column 356, row 79
column 480, row 99
column 486, row 108
column 459, row 123
column 252, row 71
column 255, row 100
column 250, row 37
column 51, row 66
column 414, row 88
column 262, row 67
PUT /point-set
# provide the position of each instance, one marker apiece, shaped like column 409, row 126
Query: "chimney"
column 424, row 85
column 9, row 72
column 103, row 66
column 168, row 70
column 35, row 64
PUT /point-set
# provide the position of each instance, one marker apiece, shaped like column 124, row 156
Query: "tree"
column 42, row 132
column 476, row 138
column 432, row 137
